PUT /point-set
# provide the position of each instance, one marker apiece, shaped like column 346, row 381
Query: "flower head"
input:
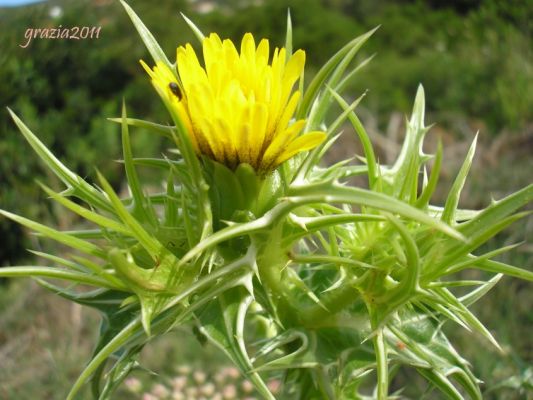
column 238, row 107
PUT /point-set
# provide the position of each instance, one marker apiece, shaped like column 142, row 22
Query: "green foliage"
column 453, row 56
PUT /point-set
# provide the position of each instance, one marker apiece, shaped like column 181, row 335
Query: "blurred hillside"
column 474, row 58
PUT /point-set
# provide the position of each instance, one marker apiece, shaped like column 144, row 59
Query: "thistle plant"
column 295, row 274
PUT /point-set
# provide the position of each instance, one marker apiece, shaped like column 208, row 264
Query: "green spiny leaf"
column 315, row 85
column 471, row 261
column 314, row 155
column 448, row 215
column 146, row 36
column 141, row 210
column 429, row 189
column 85, row 213
column 328, row 193
column 80, row 188
column 59, row 260
column 56, row 235
column 288, row 36
column 110, row 347
column 163, row 130
column 502, row 268
column 467, row 316
column 319, row 113
column 349, row 77
column 496, row 212
column 54, row 273
column 368, row 150
column 456, row 252
column 147, row 241
column 481, row 291
column 171, row 203
column 441, row 382
column 197, row 32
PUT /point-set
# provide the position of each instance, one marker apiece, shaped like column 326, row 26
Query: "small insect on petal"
column 175, row 89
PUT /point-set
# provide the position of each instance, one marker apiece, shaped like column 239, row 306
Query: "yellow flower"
column 238, row 107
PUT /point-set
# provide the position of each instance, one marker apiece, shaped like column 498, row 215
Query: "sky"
column 16, row 3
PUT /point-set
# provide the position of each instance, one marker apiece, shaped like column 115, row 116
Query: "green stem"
column 381, row 364
column 114, row 344
column 324, row 384
column 271, row 260
column 331, row 303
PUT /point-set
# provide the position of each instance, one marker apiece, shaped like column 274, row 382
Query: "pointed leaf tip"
column 417, row 118
column 288, row 35
column 197, row 32
column 146, row 36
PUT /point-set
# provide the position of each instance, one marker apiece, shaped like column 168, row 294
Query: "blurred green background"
column 474, row 58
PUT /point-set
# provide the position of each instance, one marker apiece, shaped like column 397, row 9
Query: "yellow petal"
column 189, row 67
column 294, row 67
column 237, row 106
column 258, row 130
column 248, row 47
column 209, row 137
column 262, row 52
column 244, row 135
column 230, row 53
column 223, row 138
column 292, row 72
column 288, row 112
column 301, row 143
column 279, row 142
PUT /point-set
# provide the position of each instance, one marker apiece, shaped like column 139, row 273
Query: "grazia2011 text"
column 69, row 33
